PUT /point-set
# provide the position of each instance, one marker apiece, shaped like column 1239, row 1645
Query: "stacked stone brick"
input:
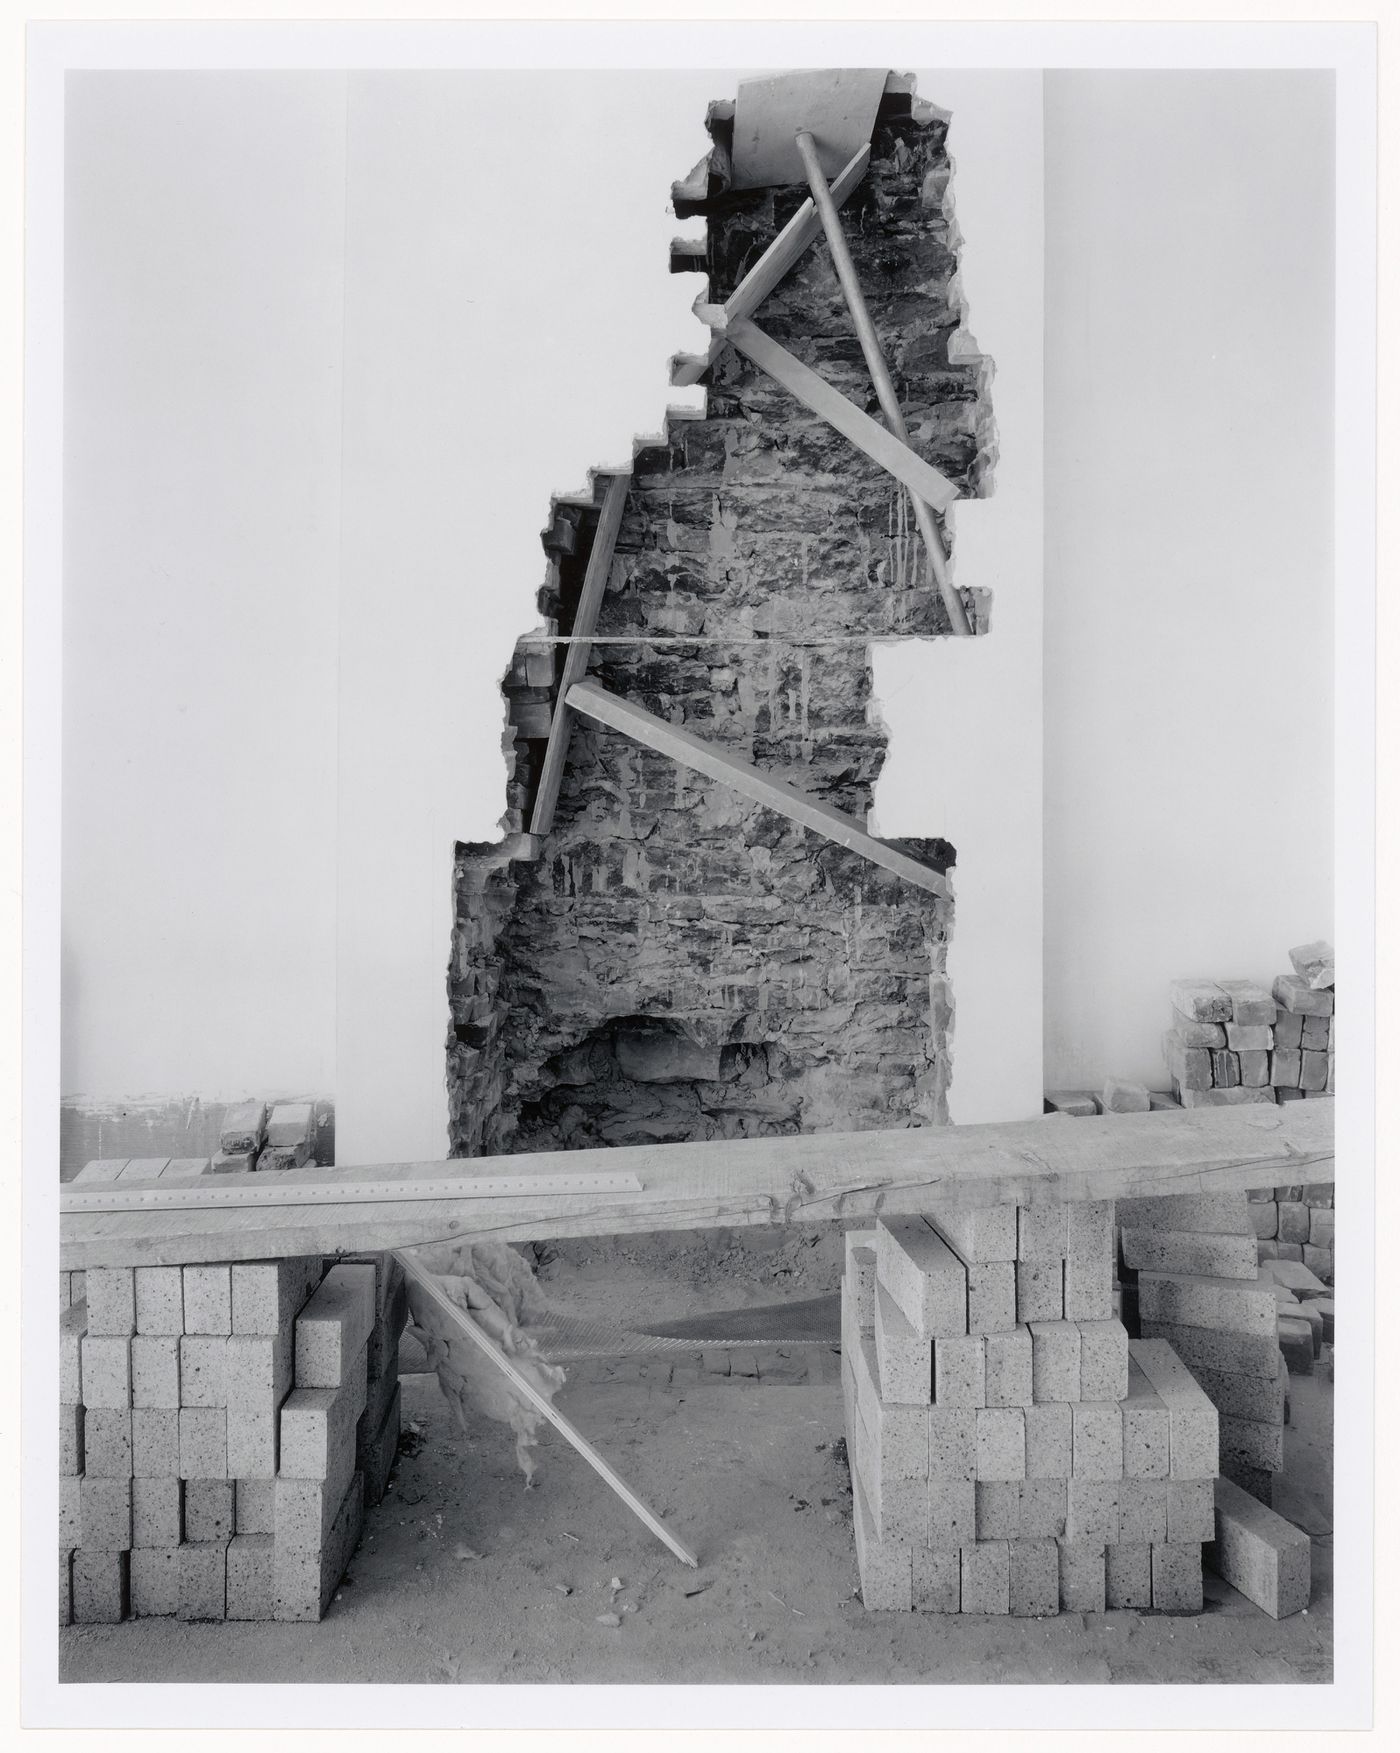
column 1011, row 1450
column 221, row 1430
column 1296, row 1223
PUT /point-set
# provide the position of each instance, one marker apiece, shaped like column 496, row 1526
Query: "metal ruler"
column 218, row 1192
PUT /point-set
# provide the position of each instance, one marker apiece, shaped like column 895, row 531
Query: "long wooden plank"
column 595, row 580
column 777, row 794
column 786, row 249
column 450, row 1316
column 868, row 435
column 803, row 1179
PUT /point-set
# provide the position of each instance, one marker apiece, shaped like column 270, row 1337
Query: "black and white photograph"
column 699, row 711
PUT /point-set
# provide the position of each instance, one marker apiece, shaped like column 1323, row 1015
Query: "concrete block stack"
column 221, row 1429
column 1011, row 1450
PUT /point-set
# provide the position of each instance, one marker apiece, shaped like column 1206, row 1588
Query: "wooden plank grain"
column 765, row 788
column 808, row 1178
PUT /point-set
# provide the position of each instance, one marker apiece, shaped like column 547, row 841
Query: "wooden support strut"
column 879, row 370
column 776, row 794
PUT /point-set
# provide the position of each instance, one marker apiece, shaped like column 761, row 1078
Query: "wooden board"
column 838, row 105
column 765, row 788
column 595, row 581
column 805, row 1179
column 814, row 392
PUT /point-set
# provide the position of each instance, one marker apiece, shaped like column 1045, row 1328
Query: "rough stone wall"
column 678, row 963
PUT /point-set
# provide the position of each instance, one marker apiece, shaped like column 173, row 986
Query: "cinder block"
column 1001, row 1443
column 1186, row 1252
column 106, row 1371
column 203, row 1576
column 1254, row 1397
column 334, row 1327
column 244, row 1127
column 1176, row 1578
column 1128, row 1576
column 1142, row 1510
column 1054, row 1360
column 304, row 1581
column 156, row 1513
column 1034, row 1577
column 950, row 1514
column 937, row 1581
column 978, row 1235
column 986, row 1577
column 1190, row 1508
column 1049, row 1441
column 1091, row 1511
column 991, row 1296
column 100, row 1586
column 952, row 1443
column 70, row 1512
column 1040, row 1290
column 289, row 1123
column 258, row 1370
column 253, row 1506
column 107, row 1443
column 1245, row 1354
column 160, row 1301
column 208, row 1511
column 1204, row 1000
column 1296, row 996
column 111, row 1301
column 1193, row 1423
column 1258, row 1443
column 155, row 1372
column 1098, row 1440
column 70, row 1441
column 1264, row 1220
column 72, row 1324
column 959, row 1371
column 106, row 1514
column 860, row 1275
column 248, row 1577
column 317, row 1434
column 1008, row 1367
column 922, row 1274
column 268, row 1294
column 155, row 1442
column 155, row 1581
column 202, row 1371
column 1257, row 1481
column 886, row 1572
column 1103, row 1360
column 208, row 1300
column 203, row 1442
column 1041, row 1232
column 906, row 1355
column 1224, row 1304
column 998, row 1505
column 1266, row 1558
column 1082, row 1576
column 1146, row 1429
column 1201, row 1213
column 1044, row 1506
column 1089, row 1290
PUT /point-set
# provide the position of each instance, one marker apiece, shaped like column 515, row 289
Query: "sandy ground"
column 465, row 1576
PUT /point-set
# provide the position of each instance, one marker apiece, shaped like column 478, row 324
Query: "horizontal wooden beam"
column 814, row 392
column 808, row 1178
column 777, row 794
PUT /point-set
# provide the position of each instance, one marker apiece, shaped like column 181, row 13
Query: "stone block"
column 1098, row 1440
column 1077, row 1104
column 1224, row 1098
column 1254, row 1067
column 1223, row 1304
column 986, row 1577
column 1092, row 1509
column 1123, row 1097
column 244, row 1127
column 991, row 1296
column 1288, row 1031
column 1160, row 1100
column 1142, row 1510
column 105, row 1508
column 154, row 1573
column 1257, row 1442
column 160, row 1301
column 1082, row 1576
column 1189, row 1033
column 202, row 1377
column 1264, row 1221
column 1103, row 1360
column 203, row 1442
column 1225, row 1070
column 1317, row 1034
column 1040, row 1290
column 70, row 1441
column 157, row 1510
column 208, row 1300
column 1245, row 1354
column 289, row 1123
column 1295, row 996
column 267, row 1295
column 107, row 1442
column 1290, row 1251
column 333, row 1328
column 1293, row 1221
column 303, row 1580
column 1001, row 1443
column 1320, row 1261
column 1007, row 1359
column 1042, row 1233
column 155, row 1372
column 1054, row 1360
column 234, row 1162
column 899, row 1506
column 1128, row 1576
column 1204, row 1000
column 959, row 1371
column 1190, row 1507
column 1191, row 1068
column 1266, row 1558
column 1193, row 1423
column 905, row 1354
column 978, row 1235
column 923, row 1275
column 1294, row 1276
column 1313, row 1076
column 155, row 1442
column 1249, row 1038
column 1250, row 1003
column 1044, row 1505
column 1266, row 1249
column 202, row 1579
column 1199, row 1213
column 101, row 1584
column 111, row 1301
column 950, row 1514
column 937, row 1581
column 1322, row 1226
column 1176, row 1578
column 1286, row 1067
column 1034, row 1577
column 277, row 1158
column 1049, row 1441
column 106, row 1371
column 1176, row 1251
column 1315, row 963
column 952, row 1443
column 248, row 1577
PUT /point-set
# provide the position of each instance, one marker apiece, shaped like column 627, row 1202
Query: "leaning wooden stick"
column 425, row 1282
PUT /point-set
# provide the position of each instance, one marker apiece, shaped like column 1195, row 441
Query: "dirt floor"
column 464, row 1576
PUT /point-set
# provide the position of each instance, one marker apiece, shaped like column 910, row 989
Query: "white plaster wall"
column 1188, row 521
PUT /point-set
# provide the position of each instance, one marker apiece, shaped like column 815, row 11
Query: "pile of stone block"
column 1011, row 1450
column 222, row 1428
column 1296, row 1223
column 1231, row 1041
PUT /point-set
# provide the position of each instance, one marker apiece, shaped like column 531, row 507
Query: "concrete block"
column 886, row 1572
column 1224, row 1304
column 1295, row 995
column 1054, row 1360
column 1245, row 1354
column 986, row 1577
column 1199, row 1213
column 101, row 1585
column 303, row 1581
column 1001, row 1443
column 1042, row 1232
column 253, row 1511
column 980, row 1234
column 155, row 1442
column 289, row 1123
column 202, row 1372
column 333, row 1328
column 1258, row 1443
column 266, row 1295
column 72, row 1325
column 1264, row 1221
column 70, row 1441
column 317, row 1434
column 1034, row 1577
column 160, row 1301
column 1103, row 1360
column 1204, row 1000
column 950, row 1514
column 923, row 1275
column 1044, row 1507
column 1008, row 1367
column 70, row 1512
column 1049, row 1441
column 959, row 1371
column 899, row 1506
column 1193, row 1423
column 203, row 1442
column 208, row 1300
column 1176, row 1578
column 244, row 1127
column 155, row 1371
column 375, row 1451
column 203, row 1576
column 1190, row 1033
column 1266, row 1558
column 1254, row 1397
column 991, row 1296
column 107, row 1442
column 1257, row 1481
column 277, row 1158
column 1142, row 1510
column 1190, row 1508
column 1098, row 1440
column 248, row 1577
column 952, row 1443
column 208, row 1510
column 1295, row 1341
column 1146, row 1429
column 1082, row 1576
column 258, row 1370
column 937, row 1581
column 905, row 1354
column 157, row 1510
column 1128, row 1576
column 1187, row 1252
column 111, row 1301
column 65, row 1587
column 1040, row 1290
column 106, row 1371
column 1327, row 1308
column 860, row 1275
column 1092, row 1509
column 155, row 1581
column 105, row 1508
column 1089, row 1232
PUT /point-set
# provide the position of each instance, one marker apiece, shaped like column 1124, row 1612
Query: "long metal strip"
column 218, row 1192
